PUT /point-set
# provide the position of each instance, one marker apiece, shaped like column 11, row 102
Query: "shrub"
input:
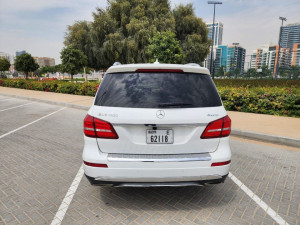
column 271, row 100
column 255, row 96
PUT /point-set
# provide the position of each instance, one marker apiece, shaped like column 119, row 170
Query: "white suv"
column 156, row 125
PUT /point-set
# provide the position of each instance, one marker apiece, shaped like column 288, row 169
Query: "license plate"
column 159, row 136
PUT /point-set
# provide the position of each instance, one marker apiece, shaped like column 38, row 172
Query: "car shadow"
column 169, row 198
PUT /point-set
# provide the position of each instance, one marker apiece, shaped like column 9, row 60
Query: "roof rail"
column 193, row 64
column 117, row 64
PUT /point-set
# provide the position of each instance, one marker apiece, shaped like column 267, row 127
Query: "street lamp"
column 279, row 40
column 213, row 37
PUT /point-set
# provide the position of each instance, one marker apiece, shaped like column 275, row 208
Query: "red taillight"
column 104, row 129
column 221, row 163
column 218, row 128
column 159, row 71
column 88, row 126
column 226, row 126
column 95, row 164
column 97, row 128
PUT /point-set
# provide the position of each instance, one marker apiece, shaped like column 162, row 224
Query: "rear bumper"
column 143, row 172
column 96, row 182
column 157, row 169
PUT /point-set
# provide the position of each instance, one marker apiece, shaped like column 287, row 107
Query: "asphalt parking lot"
column 40, row 155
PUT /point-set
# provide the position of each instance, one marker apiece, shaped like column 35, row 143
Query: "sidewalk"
column 277, row 129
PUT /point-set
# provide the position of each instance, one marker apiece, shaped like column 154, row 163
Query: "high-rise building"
column 268, row 55
column 44, row 61
column 231, row 57
column 218, row 33
column 290, row 35
column 296, row 55
column 20, row 53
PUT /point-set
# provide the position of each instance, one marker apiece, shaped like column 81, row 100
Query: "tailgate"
column 184, row 125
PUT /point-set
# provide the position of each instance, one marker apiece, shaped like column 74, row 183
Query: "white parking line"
column 16, row 107
column 59, row 216
column 260, row 202
column 62, row 210
column 26, row 125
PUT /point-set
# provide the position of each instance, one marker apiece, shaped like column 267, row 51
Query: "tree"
column 295, row 72
column 192, row 34
column 4, row 64
column 47, row 69
column 221, row 72
column 265, row 72
column 229, row 74
column 78, row 36
column 194, row 49
column 164, row 47
column 73, row 61
column 25, row 63
column 58, row 68
column 122, row 32
column 251, row 73
column 236, row 72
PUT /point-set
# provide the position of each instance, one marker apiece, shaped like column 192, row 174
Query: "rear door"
column 158, row 113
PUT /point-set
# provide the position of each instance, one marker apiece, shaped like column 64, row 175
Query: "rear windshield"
column 157, row 90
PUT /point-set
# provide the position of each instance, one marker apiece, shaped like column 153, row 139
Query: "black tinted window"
column 157, row 90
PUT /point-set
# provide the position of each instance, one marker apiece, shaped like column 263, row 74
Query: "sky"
column 39, row 26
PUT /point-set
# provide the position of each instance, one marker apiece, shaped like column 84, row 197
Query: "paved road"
column 39, row 163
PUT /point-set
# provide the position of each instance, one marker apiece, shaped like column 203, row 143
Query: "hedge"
column 85, row 88
column 264, row 100
column 256, row 83
column 255, row 96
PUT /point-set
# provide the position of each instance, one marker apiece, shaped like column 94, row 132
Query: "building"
column 220, row 53
column 10, row 58
column 290, row 35
column 231, row 57
column 20, row 53
column 44, row 61
column 7, row 56
column 218, row 33
column 217, row 40
column 296, row 55
column 268, row 55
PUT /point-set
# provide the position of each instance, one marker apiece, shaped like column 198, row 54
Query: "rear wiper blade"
column 101, row 97
column 169, row 104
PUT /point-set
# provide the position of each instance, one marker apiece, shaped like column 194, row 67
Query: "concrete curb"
column 239, row 133
column 267, row 137
column 65, row 104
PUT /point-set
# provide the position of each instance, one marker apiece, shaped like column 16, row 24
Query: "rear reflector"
column 95, row 164
column 221, row 163
column 159, row 71
column 218, row 128
column 97, row 128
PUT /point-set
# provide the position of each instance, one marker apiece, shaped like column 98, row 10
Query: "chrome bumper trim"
column 113, row 157
column 173, row 184
column 159, row 182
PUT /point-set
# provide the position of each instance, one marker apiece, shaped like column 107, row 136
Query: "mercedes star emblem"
column 160, row 114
